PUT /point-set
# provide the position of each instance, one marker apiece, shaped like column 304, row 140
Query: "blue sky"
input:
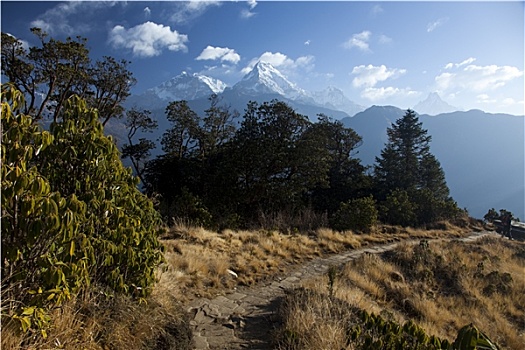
column 383, row 53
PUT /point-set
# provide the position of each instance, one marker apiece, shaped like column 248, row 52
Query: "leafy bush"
column 72, row 215
column 398, row 209
column 357, row 214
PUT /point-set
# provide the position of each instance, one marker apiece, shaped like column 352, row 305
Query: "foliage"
column 346, row 176
column 120, row 223
column 357, row 214
column 57, row 69
column 491, row 215
column 71, row 213
column 398, row 209
column 276, row 164
column 409, row 179
column 470, row 338
column 138, row 153
column 40, row 227
column 373, row 332
column 191, row 208
column 377, row 333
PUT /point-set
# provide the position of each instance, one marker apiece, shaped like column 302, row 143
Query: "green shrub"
column 357, row 214
column 72, row 215
column 398, row 209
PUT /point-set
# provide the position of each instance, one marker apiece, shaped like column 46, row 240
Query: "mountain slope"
column 334, row 98
column 434, row 105
column 482, row 154
column 266, row 79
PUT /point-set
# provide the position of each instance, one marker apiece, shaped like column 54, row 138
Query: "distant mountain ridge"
column 262, row 83
column 482, row 154
column 434, row 105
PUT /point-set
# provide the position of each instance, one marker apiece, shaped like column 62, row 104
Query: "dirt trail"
column 245, row 318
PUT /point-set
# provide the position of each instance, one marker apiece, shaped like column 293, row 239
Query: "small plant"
column 471, row 338
column 332, row 275
column 357, row 214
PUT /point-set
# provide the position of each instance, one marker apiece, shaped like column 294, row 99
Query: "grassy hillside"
column 441, row 286
column 198, row 263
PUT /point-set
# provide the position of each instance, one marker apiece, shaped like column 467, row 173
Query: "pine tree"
column 407, row 165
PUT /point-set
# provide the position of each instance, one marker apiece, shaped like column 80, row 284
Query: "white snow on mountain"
column 188, row 87
column 263, row 79
column 334, row 98
column 266, row 79
column 434, row 105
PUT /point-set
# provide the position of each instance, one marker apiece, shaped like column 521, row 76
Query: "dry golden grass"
column 199, row 260
column 93, row 322
column 442, row 288
column 199, row 263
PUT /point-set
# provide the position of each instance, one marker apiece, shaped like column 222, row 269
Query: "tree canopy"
column 408, row 176
column 50, row 73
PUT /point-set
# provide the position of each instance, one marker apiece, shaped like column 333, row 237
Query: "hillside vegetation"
column 438, row 286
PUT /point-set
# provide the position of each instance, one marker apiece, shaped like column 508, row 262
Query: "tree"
column 120, row 226
column 398, row 209
column 346, row 177
column 41, row 266
column 111, row 82
column 406, row 166
column 217, row 127
column 491, row 215
column 72, row 216
column 399, row 165
column 138, row 152
column 356, row 214
column 180, row 140
column 274, row 164
column 50, row 73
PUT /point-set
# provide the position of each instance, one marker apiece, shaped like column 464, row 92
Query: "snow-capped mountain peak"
column 187, row 86
column 334, row 98
column 434, row 105
column 265, row 78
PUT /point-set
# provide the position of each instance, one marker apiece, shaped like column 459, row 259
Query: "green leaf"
column 72, row 248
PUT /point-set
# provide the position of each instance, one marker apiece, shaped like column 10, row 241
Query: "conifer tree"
column 407, row 165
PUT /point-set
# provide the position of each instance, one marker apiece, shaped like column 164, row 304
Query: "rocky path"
column 244, row 318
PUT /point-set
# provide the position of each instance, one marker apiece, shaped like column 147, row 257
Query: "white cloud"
column 370, row 75
column 484, row 98
column 465, row 75
column 377, row 9
column 282, row 62
column 438, row 23
column 465, row 62
column 147, row 12
column 147, row 39
column 382, row 93
column 185, row 11
column 25, row 44
column 359, row 40
column 71, row 17
column 308, row 42
column 509, row 101
column 248, row 13
column 383, row 39
column 222, row 53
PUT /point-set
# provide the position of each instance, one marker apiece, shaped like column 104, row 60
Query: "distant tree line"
column 279, row 164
